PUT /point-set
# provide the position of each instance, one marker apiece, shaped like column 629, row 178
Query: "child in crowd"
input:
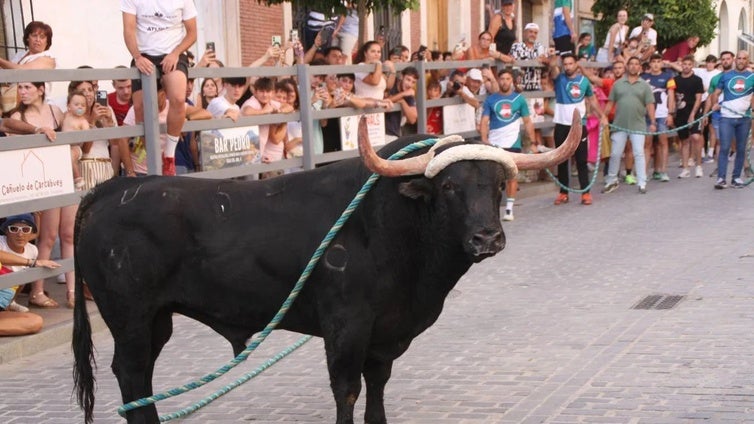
column 585, row 47
column 272, row 136
column 434, row 114
column 75, row 120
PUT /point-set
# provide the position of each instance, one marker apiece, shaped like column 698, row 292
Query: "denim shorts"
column 662, row 124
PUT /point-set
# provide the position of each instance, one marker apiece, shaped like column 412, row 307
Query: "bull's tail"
column 83, row 349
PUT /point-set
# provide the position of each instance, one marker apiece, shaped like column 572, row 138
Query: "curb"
column 50, row 336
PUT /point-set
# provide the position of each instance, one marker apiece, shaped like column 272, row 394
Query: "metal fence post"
column 305, row 109
column 151, row 124
column 421, row 98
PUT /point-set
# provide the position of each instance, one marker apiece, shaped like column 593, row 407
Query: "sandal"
column 71, row 302
column 40, row 300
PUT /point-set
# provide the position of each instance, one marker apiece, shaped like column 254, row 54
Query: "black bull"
column 227, row 253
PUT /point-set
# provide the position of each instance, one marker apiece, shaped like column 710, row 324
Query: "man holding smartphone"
column 161, row 51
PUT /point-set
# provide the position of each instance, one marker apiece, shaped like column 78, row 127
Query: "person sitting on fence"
column 271, row 136
column 74, row 120
column 17, row 253
column 137, row 146
column 157, row 35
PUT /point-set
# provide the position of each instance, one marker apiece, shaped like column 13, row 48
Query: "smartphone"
column 277, row 40
column 102, row 97
column 326, row 34
column 294, row 36
column 210, row 46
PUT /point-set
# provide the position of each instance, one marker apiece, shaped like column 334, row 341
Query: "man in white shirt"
column 648, row 36
column 157, row 33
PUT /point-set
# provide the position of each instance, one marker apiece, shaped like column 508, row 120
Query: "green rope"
column 591, row 180
column 275, row 320
column 670, row 131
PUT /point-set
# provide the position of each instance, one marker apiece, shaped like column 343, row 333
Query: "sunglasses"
column 13, row 229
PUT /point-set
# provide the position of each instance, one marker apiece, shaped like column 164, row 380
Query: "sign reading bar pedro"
column 35, row 173
column 229, row 147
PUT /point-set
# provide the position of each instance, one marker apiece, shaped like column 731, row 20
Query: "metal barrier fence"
column 151, row 129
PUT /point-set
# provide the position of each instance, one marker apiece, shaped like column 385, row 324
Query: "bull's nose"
column 487, row 242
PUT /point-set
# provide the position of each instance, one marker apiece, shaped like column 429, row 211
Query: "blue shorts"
column 662, row 124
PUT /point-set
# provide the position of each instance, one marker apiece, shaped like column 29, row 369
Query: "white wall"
column 91, row 33
column 84, row 33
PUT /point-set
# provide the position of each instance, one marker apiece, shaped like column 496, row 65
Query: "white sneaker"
column 508, row 215
column 684, row 174
column 699, row 172
column 15, row 307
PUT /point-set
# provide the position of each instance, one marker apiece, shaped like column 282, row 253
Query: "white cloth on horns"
column 472, row 152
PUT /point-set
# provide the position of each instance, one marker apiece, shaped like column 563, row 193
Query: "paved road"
column 544, row 332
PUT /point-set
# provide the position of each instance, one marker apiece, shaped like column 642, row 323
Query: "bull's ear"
column 418, row 188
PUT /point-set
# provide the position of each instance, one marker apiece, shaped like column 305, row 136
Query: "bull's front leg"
column 376, row 374
column 345, row 358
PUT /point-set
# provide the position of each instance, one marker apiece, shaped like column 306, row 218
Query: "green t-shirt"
column 631, row 100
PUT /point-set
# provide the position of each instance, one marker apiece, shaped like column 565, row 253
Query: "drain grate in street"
column 658, row 302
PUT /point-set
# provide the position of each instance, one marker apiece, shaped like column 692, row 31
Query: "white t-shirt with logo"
column 159, row 23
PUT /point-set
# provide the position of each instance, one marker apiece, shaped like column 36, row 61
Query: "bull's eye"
column 448, row 186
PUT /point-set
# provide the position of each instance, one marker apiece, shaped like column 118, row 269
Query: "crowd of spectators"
column 329, row 40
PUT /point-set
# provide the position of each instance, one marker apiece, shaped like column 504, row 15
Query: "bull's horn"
column 395, row 168
column 553, row 157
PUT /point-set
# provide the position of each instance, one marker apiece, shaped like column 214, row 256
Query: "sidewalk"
column 58, row 323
